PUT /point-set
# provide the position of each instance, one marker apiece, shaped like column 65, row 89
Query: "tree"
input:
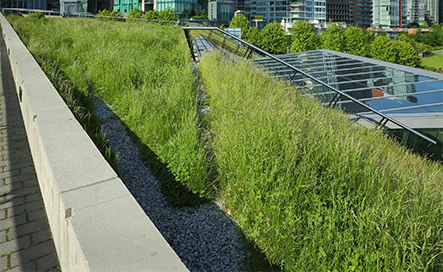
column 382, row 48
column 253, row 36
column 273, row 39
column 419, row 47
column 242, row 22
column 422, row 48
column 406, row 54
column 332, row 38
column 304, row 37
column 355, row 41
column 404, row 37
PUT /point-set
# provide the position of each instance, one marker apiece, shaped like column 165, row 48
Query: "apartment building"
column 360, row 13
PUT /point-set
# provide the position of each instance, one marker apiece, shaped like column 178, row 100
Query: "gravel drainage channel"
column 203, row 237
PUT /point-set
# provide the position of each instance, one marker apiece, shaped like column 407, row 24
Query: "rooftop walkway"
column 25, row 238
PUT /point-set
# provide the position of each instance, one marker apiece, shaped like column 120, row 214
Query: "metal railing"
column 250, row 48
column 89, row 15
column 24, row 10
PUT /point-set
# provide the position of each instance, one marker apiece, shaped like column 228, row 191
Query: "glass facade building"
column 311, row 11
column 431, row 11
column 28, row 4
column 416, row 11
column 126, row 5
column 180, row 6
column 389, row 13
column 271, row 11
column 360, row 13
column 221, row 11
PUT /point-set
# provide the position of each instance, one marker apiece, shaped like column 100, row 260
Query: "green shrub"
column 152, row 14
column 36, row 15
column 134, row 13
column 109, row 15
column 314, row 191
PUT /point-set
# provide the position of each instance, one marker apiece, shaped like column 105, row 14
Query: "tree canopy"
column 355, row 41
column 382, row 48
column 273, row 38
column 406, row 54
column 242, row 22
column 333, row 38
column 304, row 37
column 400, row 52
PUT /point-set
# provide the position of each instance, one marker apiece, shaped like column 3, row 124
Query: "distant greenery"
column 105, row 14
column 273, row 39
column 355, row 41
column 135, row 13
column 242, row 22
column 314, row 191
column 332, row 38
column 435, row 61
column 400, row 52
column 200, row 14
column 352, row 40
column 304, row 37
column 36, row 15
column 144, row 72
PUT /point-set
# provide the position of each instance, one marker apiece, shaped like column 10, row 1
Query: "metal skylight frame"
column 384, row 119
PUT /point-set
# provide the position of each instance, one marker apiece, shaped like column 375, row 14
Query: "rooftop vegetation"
column 311, row 189
column 144, row 72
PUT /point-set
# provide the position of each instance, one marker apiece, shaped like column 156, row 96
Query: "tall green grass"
column 143, row 71
column 310, row 188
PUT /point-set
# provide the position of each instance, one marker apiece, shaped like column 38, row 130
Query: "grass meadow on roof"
column 311, row 189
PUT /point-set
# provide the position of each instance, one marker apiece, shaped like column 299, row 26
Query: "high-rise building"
column 180, row 6
column 221, row 11
column 126, row 5
column 431, row 11
column 28, row 4
column 239, row 5
column 360, row 13
column 416, row 11
column 337, row 10
column 271, row 11
column 312, row 11
column 440, row 11
column 392, row 13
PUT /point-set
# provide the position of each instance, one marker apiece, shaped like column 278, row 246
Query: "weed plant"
column 144, row 72
column 314, row 191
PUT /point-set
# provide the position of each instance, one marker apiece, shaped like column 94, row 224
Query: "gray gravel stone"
column 204, row 237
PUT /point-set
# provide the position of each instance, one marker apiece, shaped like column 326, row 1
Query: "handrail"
column 33, row 10
column 88, row 15
column 339, row 93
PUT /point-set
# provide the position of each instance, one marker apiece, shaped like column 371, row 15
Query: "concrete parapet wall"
column 96, row 223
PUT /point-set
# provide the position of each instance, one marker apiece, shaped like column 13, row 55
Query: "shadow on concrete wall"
column 28, row 243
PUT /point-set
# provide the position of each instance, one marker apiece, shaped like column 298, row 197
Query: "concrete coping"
column 96, row 223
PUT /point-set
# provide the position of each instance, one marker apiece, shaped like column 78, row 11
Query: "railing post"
column 188, row 39
column 334, row 100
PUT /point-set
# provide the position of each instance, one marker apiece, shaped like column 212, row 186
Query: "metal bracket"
column 334, row 100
